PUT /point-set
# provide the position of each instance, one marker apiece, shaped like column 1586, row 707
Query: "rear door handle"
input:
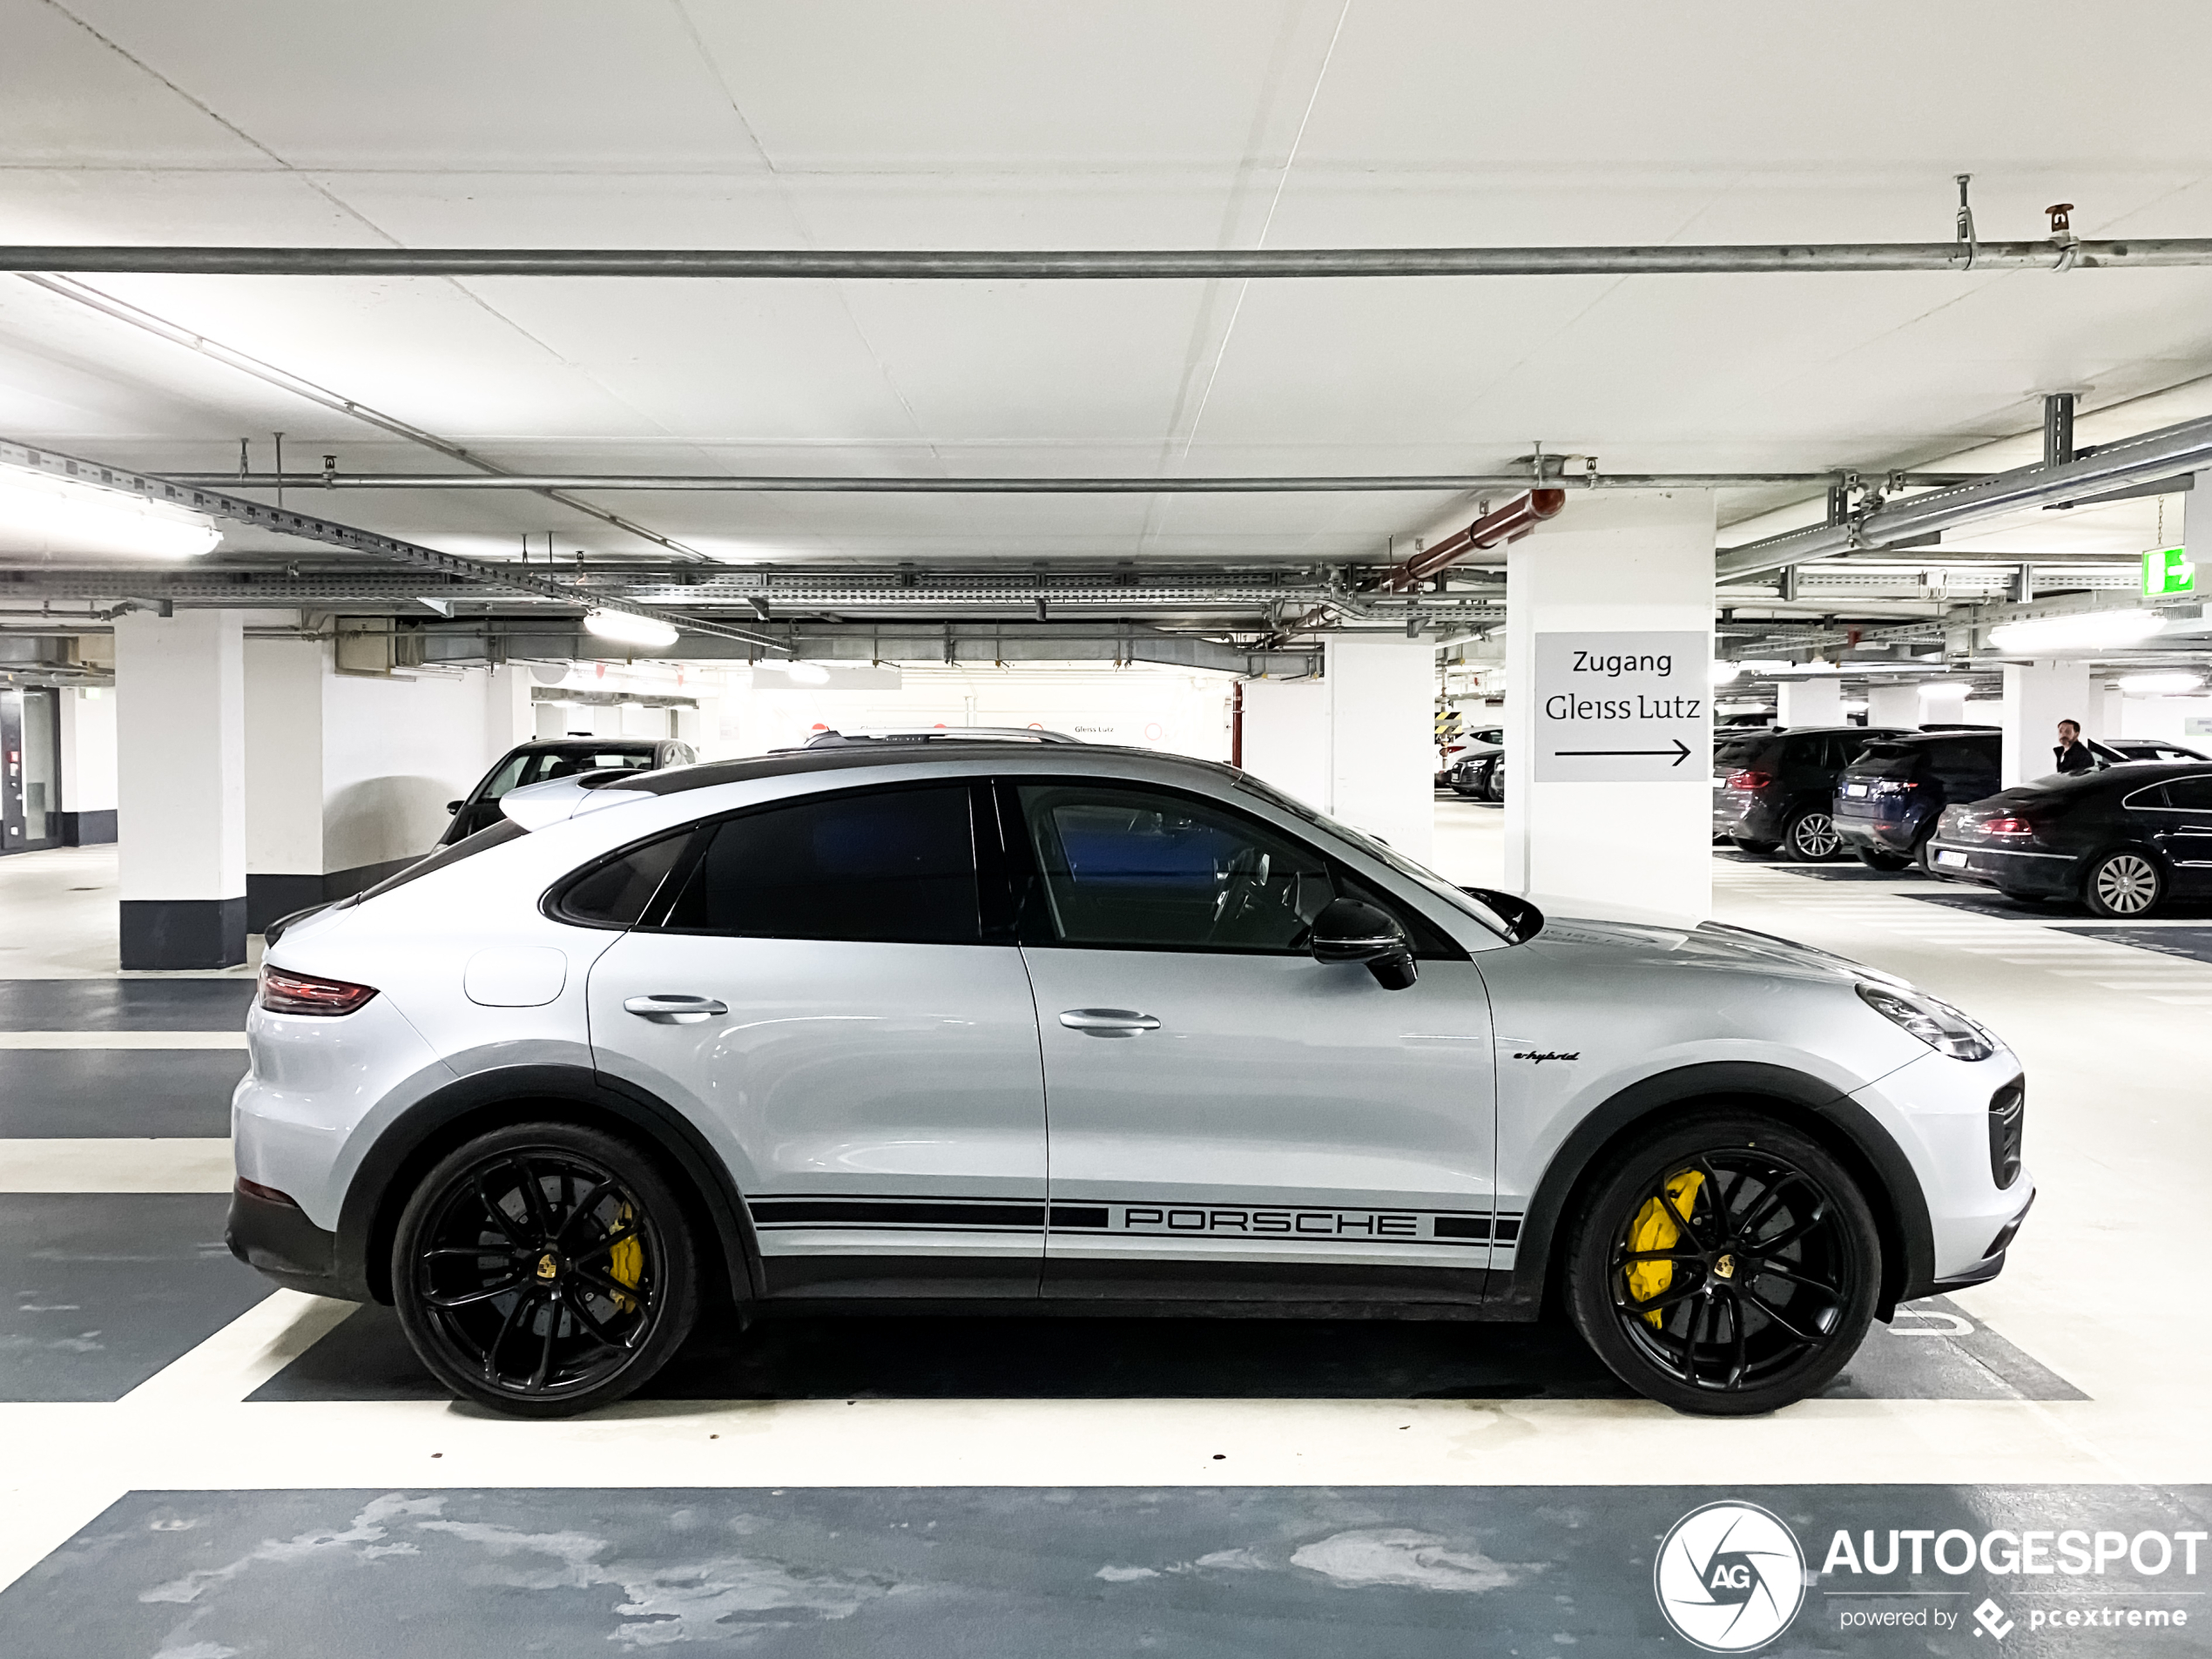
column 675, row 1009
column 1109, row 1022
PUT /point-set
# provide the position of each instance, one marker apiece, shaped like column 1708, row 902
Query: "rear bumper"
column 279, row 1242
column 1744, row 815
column 2012, row 870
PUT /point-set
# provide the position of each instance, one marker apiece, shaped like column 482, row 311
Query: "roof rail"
column 940, row 734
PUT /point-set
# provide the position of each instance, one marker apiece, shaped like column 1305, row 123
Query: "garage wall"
column 284, row 756
column 88, row 765
column 1286, row 736
column 395, row 752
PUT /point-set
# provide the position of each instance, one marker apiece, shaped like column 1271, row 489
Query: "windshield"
column 1457, row 897
column 547, row 764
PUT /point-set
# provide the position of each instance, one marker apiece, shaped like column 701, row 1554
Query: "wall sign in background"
column 1623, row 708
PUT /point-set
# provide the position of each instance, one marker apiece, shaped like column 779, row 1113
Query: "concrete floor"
column 194, row 1468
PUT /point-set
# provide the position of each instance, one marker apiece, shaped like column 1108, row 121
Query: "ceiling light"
column 2161, row 684
column 40, row 512
column 2083, row 631
column 627, row 628
column 807, row 673
column 1764, row 665
column 1723, row 672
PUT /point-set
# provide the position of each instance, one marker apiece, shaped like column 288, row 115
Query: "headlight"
column 1938, row 1024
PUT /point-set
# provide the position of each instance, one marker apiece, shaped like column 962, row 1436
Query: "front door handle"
column 1109, row 1022
column 674, row 1009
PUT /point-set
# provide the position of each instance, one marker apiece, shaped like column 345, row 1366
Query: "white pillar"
column 1809, row 702
column 180, row 731
column 1617, row 565
column 1382, row 729
column 284, row 769
column 1893, row 705
column 88, row 766
column 1942, row 703
column 2111, row 704
column 2037, row 697
column 1286, row 736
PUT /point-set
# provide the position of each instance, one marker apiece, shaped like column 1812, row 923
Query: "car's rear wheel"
column 1809, row 837
column 1724, row 1265
column 543, row 1269
column 1874, row 859
column 2126, row 884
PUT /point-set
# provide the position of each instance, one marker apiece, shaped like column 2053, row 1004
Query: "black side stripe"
column 894, row 1213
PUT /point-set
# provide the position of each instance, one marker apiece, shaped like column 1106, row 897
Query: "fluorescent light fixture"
column 626, row 629
column 807, row 673
column 63, row 514
column 1723, row 672
column 2161, row 684
column 2084, row 630
column 1765, row 666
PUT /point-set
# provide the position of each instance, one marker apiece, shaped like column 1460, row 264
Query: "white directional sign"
column 1623, row 708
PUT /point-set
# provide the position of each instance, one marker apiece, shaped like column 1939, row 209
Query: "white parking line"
column 244, row 1353
column 122, row 1039
column 116, row 1165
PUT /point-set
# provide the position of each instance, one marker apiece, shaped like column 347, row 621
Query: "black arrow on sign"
column 1680, row 751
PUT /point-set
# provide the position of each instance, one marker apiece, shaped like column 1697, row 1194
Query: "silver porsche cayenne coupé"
column 962, row 1025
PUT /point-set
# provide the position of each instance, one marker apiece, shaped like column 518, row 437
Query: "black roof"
column 857, row 757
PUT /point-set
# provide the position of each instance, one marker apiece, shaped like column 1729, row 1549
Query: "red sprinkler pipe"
column 1508, row 523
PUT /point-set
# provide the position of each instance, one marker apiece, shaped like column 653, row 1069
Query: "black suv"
column 1775, row 788
column 548, row 757
column 1890, row 798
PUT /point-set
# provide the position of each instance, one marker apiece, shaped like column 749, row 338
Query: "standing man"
column 2073, row 754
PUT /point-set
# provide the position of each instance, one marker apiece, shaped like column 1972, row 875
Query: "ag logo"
column 1729, row 1577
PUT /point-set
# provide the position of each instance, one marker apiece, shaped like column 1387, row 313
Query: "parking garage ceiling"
column 1261, row 125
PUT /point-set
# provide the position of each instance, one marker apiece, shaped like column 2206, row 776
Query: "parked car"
column 1479, row 771
column 1888, row 801
column 1480, row 744
column 2130, row 749
column 1776, row 789
column 2122, row 840
column 776, row 1035
column 548, row 757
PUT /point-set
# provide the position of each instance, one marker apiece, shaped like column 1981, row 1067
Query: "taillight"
column 1746, row 778
column 283, row 993
column 2007, row 826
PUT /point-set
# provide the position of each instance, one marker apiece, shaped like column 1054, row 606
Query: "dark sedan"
column 2122, row 840
column 548, row 758
column 1776, row 789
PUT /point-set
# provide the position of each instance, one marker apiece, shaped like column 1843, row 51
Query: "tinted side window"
column 892, row 866
column 616, row 892
column 506, row 778
column 1137, row 868
column 2191, row 794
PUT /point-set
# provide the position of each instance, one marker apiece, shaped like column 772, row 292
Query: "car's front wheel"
column 544, row 1269
column 2125, row 884
column 1724, row 1265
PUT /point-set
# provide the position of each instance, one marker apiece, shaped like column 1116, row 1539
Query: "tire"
column 1809, row 836
column 507, row 1299
column 2127, row 884
column 1493, row 786
column 1730, row 1343
column 1759, row 849
column 1874, row 859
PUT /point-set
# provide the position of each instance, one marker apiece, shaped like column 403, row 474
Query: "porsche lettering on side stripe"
column 1280, row 1222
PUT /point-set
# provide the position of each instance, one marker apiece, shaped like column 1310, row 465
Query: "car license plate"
column 1855, row 792
column 1951, row 861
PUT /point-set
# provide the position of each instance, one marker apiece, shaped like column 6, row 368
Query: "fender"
column 368, row 1218
column 1893, row 1191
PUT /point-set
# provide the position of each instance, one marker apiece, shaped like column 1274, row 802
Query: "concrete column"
column 1942, row 703
column 1809, row 702
column 284, row 769
column 180, row 742
column 1382, row 751
column 1614, row 564
column 1286, row 736
column 1893, row 705
column 88, row 766
column 2037, row 697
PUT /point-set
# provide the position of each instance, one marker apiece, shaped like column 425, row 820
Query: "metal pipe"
column 1152, row 264
column 2144, row 459
column 218, row 504
column 1318, row 483
column 1507, row 523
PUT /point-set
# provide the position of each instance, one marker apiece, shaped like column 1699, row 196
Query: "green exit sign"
column 2167, row 570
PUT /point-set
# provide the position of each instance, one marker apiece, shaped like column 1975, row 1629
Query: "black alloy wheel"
column 1809, row 837
column 1874, row 859
column 543, row 1269
column 2126, row 884
column 1724, row 1266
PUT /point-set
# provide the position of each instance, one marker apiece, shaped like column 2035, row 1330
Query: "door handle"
column 1109, row 1022
column 674, row 1009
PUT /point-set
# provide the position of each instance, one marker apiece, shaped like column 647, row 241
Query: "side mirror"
column 453, row 807
column 1523, row 918
column 1347, row 931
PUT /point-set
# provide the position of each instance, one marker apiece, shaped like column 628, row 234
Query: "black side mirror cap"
column 1348, row 931
column 453, row 807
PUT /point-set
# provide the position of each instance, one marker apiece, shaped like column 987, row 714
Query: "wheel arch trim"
column 1847, row 1128
column 368, row 1216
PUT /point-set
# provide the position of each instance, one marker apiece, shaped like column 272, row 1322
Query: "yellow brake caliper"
column 1654, row 1228
column 626, row 1262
